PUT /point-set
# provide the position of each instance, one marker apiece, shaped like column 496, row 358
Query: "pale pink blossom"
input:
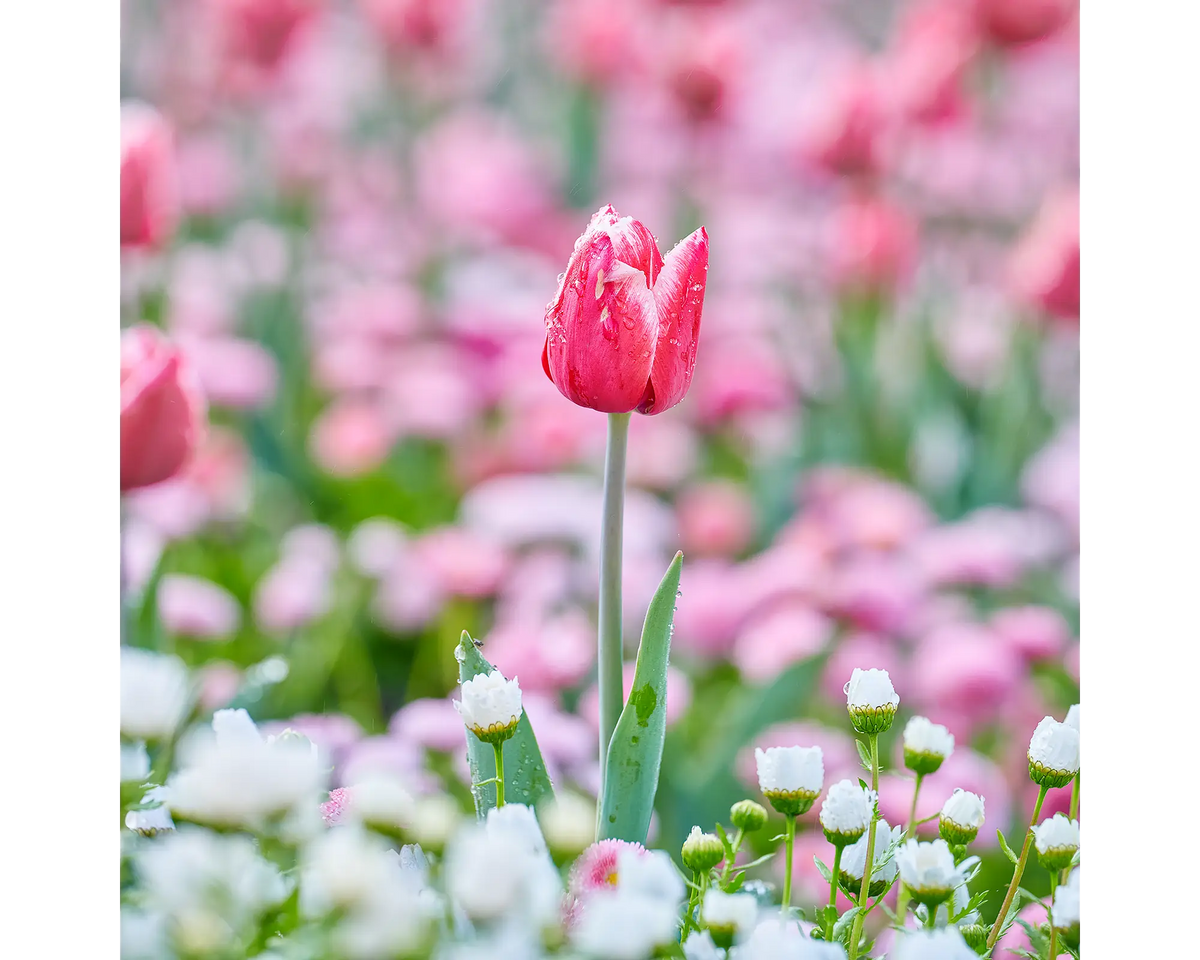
column 233, row 372
column 430, row 722
column 597, row 41
column 196, row 607
column 149, row 184
column 462, row 561
column 208, row 175
column 716, row 517
column 596, row 868
column 712, row 608
column 876, row 593
column 548, row 655
column 349, row 438
column 784, row 634
column 1044, row 269
column 966, row 670
column 1035, row 633
column 872, row 244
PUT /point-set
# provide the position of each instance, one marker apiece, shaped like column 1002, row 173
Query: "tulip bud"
column 846, row 812
column 490, row 706
column 1057, row 841
column 1053, row 753
column 790, row 777
column 149, row 193
column 961, row 818
column 926, row 745
column 621, row 331
column 748, row 816
column 702, row 851
column 871, row 700
column 162, row 409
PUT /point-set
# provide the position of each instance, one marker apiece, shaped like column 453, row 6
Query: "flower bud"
column 1057, row 841
column 871, row 700
column 790, row 777
column 846, row 812
column 149, row 189
column 748, row 816
column 702, row 851
column 854, row 860
column 728, row 916
column 569, row 825
column 975, row 934
column 621, row 332
column 1064, row 913
column 928, row 870
column 1053, row 753
column 926, row 745
column 490, row 706
column 961, row 817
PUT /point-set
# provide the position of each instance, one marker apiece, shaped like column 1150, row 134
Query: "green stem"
column 737, row 845
column 1053, row 929
column 833, row 887
column 912, row 814
column 1074, row 814
column 609, row 646
column 499, row 748
column 931, row 920
column 789, row 842
column 864, row 892
column 695, row 895
column 1018, row 871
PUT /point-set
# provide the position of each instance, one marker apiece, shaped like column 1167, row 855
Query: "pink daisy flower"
column 333, row 809
column 596, row 868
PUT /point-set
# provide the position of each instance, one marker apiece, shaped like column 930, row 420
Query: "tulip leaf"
column 636, row 749
column 525, row 777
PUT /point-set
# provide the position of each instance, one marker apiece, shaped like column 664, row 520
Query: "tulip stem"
column 1018, row 871
column 864, row 892
column 609, row 642
column 789, row 843
column 499, row 748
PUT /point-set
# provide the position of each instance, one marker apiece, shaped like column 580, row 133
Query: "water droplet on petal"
column 629, row 323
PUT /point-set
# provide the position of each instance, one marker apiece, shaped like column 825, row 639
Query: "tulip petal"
column 632, row 242
column 678, row 299
column 600, row 328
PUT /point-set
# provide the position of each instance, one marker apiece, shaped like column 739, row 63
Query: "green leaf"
column 525, row 777
column 724, row 841
column 864, row 754
column 635, row 751
column 841, row 929
column 824, row 870
column 1006, row 848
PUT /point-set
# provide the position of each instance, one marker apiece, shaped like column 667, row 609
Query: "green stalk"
column 833, row 886
column 689, row 921
column 1053, row 929
column 609, row 642
column 868, row 867
column 788, row 844
column 728, row 868
column 499, row 748
column 1074, row 814
column 1018, row 871
column 902, row 898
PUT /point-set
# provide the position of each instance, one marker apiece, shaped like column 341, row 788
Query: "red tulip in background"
column 621, row 332
column 162, row 409
column 149, row 200
column 1044, row 266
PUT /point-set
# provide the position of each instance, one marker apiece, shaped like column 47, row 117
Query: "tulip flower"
column 149, row 199
column 621, row 331
column 162, row 409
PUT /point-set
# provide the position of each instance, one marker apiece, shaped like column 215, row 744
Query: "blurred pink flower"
column 967, row 671
column 462, row 561
column 839, row 754
column 389, row 754
column 333, row 733
column 787, row 571
column 876, row 593
column 414, row 25
column 845, row 135
column 1051, row 478
column 772, row 641
column 430, row 391
column 679, row 696
column 163, row 413
column 547, row 655
column 700, row 57
column 712, row 608
column 1015, row 22
column 409, row 596
column 430, row 722
column 662, row 451
column 565, row 740
column 924, row 71
column 749, row 378
column 149, row 188
column 1044, row 268
column 596, row 868
column 208, row 175
column 260, row 33
column 195, row 607
column 974, row 550
column 219, row 683
column 376, row 545
column 872, row 244
column 350, row 438
column 715, row 517
column 235, row 373
column 1034, row 633
column 1016, row 939
column 596, row 41
column 861, row 650
column 873, row 513
column 292, row 594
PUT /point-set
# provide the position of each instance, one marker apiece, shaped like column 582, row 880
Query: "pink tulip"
column 1044, row 269
column 408, row 25
column 700, row 58
column 872, row 245
column 715, row 518
column 1034, row 633
column 1015, row 22
column 925, row 71
column 162, row 409
column 350, row 438
column 219, row 683
column 596, row 41
column 208, row 175
column 621, row 331
column 846, row 135
column 260, row 33
column 772, row 642
column 149, row 193
column 195, row 607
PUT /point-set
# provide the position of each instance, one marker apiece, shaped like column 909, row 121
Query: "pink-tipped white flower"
column 1053, row 753
column 926, row 745
column 790, row 777
column 1057, row 841
column 871, row 700
column 490, row 706
column 961, row 817
column 596, row 868
column 846, row 812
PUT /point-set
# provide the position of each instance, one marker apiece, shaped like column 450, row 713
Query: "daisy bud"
column 1064, row 913
column 150, row 823
column 975, row 935
column 926, row 745
column 569, row 825
column 748, row 816
column 961, row 817
column 1057, row 841
column 1075, row 719
column 790, row 777
column 871, row 700
column 928, row 870
column 946, row 943
column 702, row 851
column 490, row 706
column 854, row 860
column 728, row 917
column 1053, row 753
column 846, row 812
